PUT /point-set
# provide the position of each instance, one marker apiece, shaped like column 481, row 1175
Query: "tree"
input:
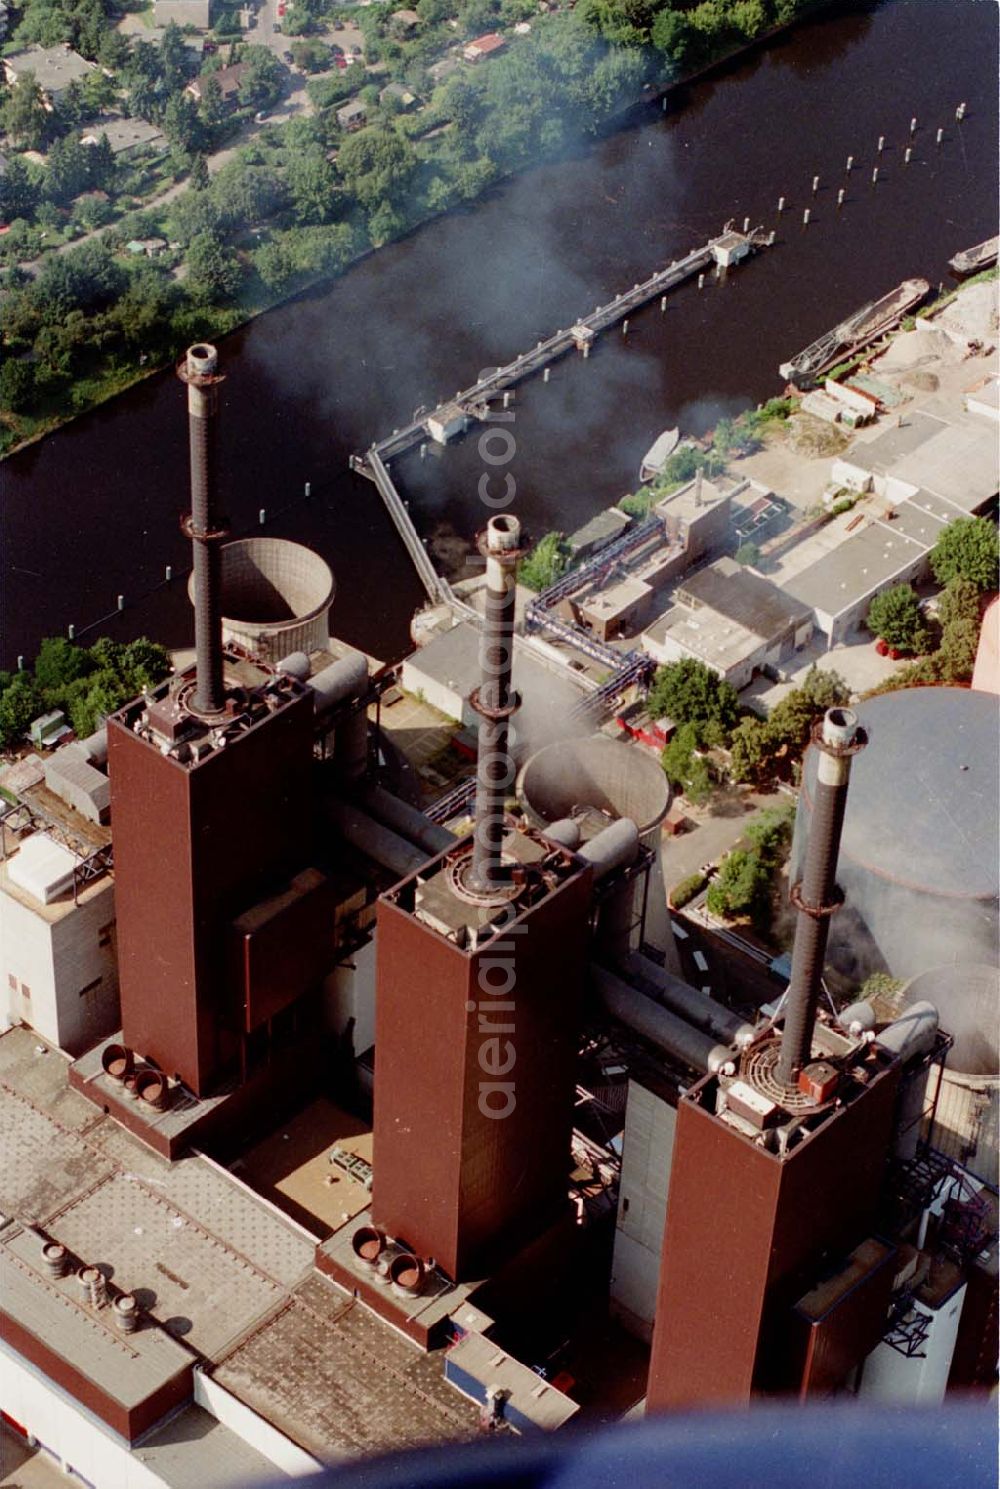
column 739, row 886
column 24, row 115
column 214, row 271
column 68, row 170
column 968, row 548
column 545, row 563
column 17, row 384
column 60, row 662
column 377, row 165
column 20, row 702
column 750, row 749
column 684, row 768
column 956, row 656
column 748, row 553
column 825, row 688
column 182, row 124
column 959, row 602
column 199, row 179
column 145, row 662
column 895, row 616
column 18, row 191
column 312, row 184
column 262, row 82
column 689, row 692
column 790, row 720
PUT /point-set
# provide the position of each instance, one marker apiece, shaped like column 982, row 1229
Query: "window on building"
column 12, row 982
column 25, row 990
column 91, row 987
column 105, row 933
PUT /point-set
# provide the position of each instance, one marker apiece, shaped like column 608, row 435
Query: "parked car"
column 260, row 116
column 286, row 57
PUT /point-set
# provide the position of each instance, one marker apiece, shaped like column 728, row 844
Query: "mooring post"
column 545, row 374
column 121, row 602
column 940, row 135
column 781, row 204
column 262, row 516
column 907, row 154
column 875, row 176
column 840, row 197
column 168, row 573
column 663, row 301
column 881, row 143
column 960, row 111
column 850, row 163
column 815, row 185
column 71, row 632
column 913, row 126
column 805, row 218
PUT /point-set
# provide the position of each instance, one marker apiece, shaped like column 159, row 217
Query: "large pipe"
column 345, row 679
column 614, row 847
column 495, row 701
column 406, row 820
column 204, row 526
column 816, row 896
column 686, row 1001
column 691, row 1046
column 375, row 841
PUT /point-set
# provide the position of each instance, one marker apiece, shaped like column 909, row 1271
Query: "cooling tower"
column 596, row 780
column 276, row 597
column 918, row 861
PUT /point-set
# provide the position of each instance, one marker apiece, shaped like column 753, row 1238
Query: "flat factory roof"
column 232, row 1275
column 866, row 561
column 339, row 1382
column 127, row 1367
column 746, row 599
column 193, row 1450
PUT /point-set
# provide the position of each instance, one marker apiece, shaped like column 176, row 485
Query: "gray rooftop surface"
column 337, row 1381
column 749, row 600
column 863, row 563
column 891, row 445
column 221, row 1267
column 128, row 1367
column 193, row 1450
column 547, row 697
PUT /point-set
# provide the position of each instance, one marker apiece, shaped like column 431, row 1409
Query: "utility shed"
column 597, row 533
column 131, row 1381
column 475, row 1364
column 43, row 868
column 81, row 785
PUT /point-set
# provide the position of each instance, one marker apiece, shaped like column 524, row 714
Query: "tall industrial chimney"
column 495, row 702
column 816, row 896
column 204, row 526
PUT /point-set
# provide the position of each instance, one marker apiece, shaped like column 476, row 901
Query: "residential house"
column 125, row 136
column 400, row 93
column 353, row 115
column 54, row 69
column 483, row 46
column 406, row 20
column 229, row 80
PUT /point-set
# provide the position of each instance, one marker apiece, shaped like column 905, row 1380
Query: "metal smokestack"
column 495, row 701
column 205, row 527
column 816, row 896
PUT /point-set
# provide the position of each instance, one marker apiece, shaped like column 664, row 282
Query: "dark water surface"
column 93, row 510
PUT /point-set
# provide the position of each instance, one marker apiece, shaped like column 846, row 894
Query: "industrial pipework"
column 204, row 526
column 816, row 897
column 495, row 702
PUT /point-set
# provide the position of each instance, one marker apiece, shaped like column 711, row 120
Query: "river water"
column 93, row 510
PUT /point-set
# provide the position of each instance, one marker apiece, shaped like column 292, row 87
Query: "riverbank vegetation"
column 85, row 683
column 181, row 241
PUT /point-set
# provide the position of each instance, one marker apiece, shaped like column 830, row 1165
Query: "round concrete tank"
column 967, row 1121
column 918, row 860
column 276, row 597
column 595, row 781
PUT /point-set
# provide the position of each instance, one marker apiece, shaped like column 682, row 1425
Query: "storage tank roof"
column 922, row 808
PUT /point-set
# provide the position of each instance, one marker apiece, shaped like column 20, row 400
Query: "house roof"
column 54, row 67
column 123, row 134
column 483, row 45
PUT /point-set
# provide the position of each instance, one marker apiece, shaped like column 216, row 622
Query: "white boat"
column 658, row 454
